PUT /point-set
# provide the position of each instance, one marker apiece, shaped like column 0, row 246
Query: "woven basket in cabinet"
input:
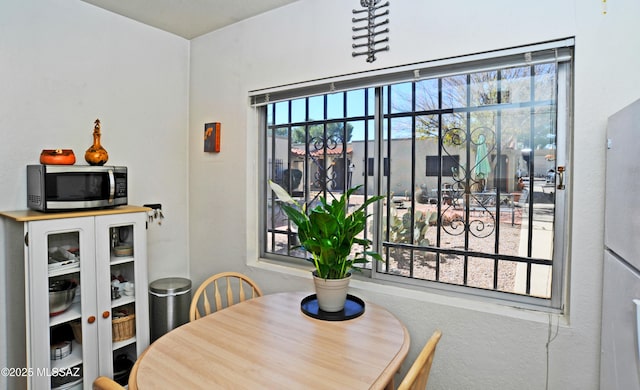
column 123, row 328
column 76, row 327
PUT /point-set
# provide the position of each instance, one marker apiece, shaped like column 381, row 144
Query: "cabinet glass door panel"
column 67, row 281
column 123, row 278
column 121, row 242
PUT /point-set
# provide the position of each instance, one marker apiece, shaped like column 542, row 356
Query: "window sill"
column 431, row 296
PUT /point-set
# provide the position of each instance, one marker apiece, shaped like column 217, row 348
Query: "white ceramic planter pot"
column 331, row 293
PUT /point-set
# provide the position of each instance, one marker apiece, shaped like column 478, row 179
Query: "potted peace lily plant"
column 328, row 233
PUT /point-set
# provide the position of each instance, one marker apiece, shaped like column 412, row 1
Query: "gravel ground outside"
column 481, row 272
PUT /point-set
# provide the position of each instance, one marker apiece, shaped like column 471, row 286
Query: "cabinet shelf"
column 64, row 271
column 121, row 344
column 70, row 314
column 123, row 300
column 115, row 260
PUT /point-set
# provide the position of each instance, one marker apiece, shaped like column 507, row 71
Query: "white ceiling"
column 189, row 18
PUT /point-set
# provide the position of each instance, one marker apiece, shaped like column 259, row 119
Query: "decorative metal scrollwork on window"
column 325, row 175
column 466, row 191
column 371, row 7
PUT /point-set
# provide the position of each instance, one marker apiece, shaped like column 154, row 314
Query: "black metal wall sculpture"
column 373, row 11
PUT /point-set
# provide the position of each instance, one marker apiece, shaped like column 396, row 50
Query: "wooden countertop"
column 32, row 215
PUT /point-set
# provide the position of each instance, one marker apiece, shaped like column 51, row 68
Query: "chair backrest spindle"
column 217, row 296
column 230, row 292
column 241, row 291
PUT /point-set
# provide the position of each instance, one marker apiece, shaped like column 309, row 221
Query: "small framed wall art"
column 212, row 137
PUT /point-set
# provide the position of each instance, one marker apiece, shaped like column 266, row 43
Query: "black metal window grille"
column 456, row 221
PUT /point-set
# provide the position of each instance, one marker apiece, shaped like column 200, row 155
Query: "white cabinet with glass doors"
column 102, row 257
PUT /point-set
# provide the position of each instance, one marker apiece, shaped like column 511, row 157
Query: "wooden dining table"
column 269, row 343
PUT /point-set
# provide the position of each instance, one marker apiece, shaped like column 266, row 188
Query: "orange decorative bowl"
column 57, row 157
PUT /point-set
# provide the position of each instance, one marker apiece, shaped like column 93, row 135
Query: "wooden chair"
column 104, row 383
column 235, row 283
column 418, row 374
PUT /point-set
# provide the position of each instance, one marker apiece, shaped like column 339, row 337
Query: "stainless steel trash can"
column 169, row 301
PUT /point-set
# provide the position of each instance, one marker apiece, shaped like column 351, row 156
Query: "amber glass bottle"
column 96, row 154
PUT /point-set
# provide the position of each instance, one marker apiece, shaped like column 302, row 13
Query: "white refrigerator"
column 620, row 343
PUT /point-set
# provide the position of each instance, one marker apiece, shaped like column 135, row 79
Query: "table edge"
column 387, row 376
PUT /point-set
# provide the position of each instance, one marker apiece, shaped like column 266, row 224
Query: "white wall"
column 484, row 346
column 64, row 63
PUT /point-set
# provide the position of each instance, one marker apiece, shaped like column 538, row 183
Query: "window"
column 435, row 167
column 371, row 165
column 461, row 149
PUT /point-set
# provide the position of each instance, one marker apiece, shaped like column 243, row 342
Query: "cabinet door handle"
column 91, row 319
column 105, row 314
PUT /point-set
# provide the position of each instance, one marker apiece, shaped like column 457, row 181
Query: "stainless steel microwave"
column 75, row 187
